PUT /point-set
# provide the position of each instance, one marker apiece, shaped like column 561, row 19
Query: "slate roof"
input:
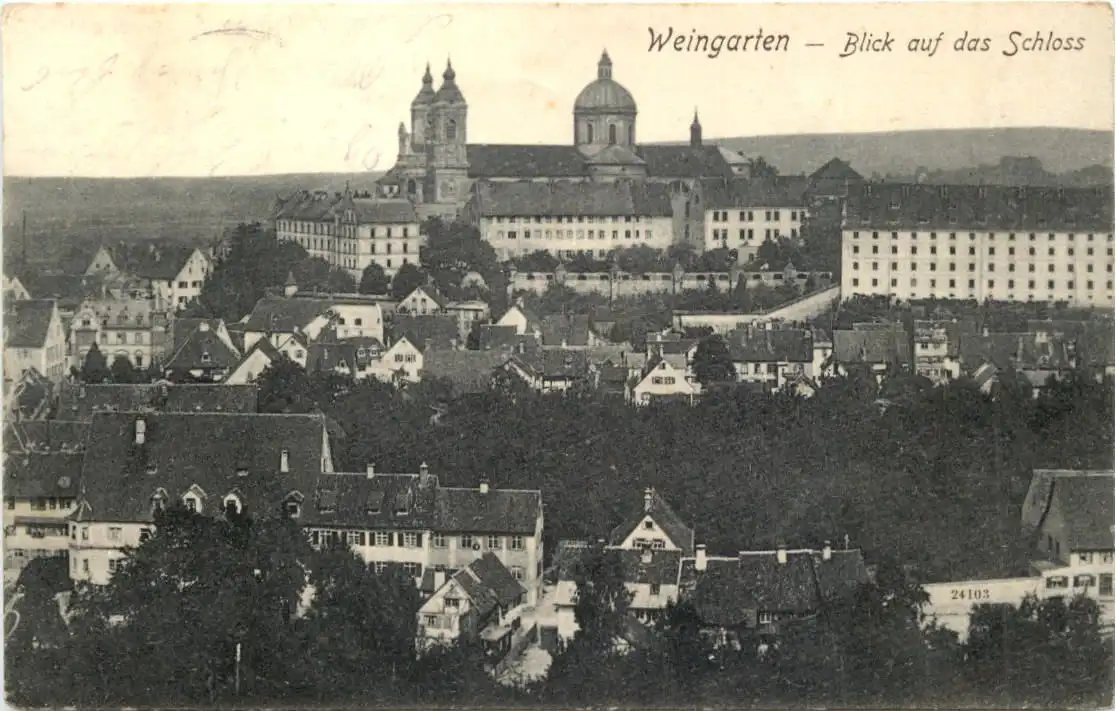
column 770, row 345
column 685, row 161
column 562, row 330
column 425, row 332
column 738, row 194
column 614, row 154
column 524, row 161
column 27, row 323
column 430, row 293
column 507, row 511
column 356, row 500
column 220, row 453
column 469, row 371
column 191, row 347
column 45, row 435
column 31, row 475
column 618, row 198
column 1021, row 351
column 871, row 346
column 283, row 315
column 991, row 207
column 1088, row 506
column 732, row 590
column 164, row 263
column 83, row 402
column 663, row 515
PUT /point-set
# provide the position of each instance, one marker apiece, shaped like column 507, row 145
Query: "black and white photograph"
column 587, row 356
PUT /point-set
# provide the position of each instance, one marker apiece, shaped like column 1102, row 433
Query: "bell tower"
column 447, row 140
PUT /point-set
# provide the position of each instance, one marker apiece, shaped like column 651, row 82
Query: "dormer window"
column 192, row 503
column 292, row 509
column 205, row 357
column 232, row 505
column 158, row 502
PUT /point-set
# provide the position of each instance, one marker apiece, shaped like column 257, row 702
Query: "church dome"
column 604, row 94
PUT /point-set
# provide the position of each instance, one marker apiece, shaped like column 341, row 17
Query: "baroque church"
column 437, row 166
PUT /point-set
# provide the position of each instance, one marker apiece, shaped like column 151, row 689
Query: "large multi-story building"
column 742, row 214
column 124, row 327
column 34, row 339
column 350, row 231
column 984, row 243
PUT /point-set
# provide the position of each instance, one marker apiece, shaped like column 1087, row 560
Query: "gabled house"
column 14, row 290
column 882, row 350
column 423, row 301
column 478, row 602
column 567, row 332
column 1069, row 515
column 617, row 381
column 174, row 274
column 279, row 317
column 425, row 332
column 34, row 340
column 1036, row 356
column 405, row 358
column 40, row 491
column 357, row 358
column 833, row 180
column 137, row 464
column 523, row 319
column 202, row 352
column 549, row 370
column 664, row 381
column 102, row 263
column 255, row 361
column 469, row 371
column 937, row 346
column 772, row 357
column 496, row 338
column 468, row 315
column 674, row 349
column 656, row 526
column 295, row 346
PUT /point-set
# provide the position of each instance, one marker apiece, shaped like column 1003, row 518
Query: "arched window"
column 451, row 130
column 612, row 134
column 411, row 187
column 588, row 133
column 232, row 505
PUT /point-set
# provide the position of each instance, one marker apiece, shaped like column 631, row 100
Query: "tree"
column 682, row 253
column 122, row 370
column 285, row 387
column 639, row 259
column 257, row 260
column 768, row 252
column 407, row 279
column 538, row 261
column 454, row 249
column 94, row 369
column 712, row 362
column 374, row 280
column 316, row 274
column 715, row 260
column 760, row 169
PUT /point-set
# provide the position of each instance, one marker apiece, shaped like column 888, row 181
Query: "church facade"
column 440, row 171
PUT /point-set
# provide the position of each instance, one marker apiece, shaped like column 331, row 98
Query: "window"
column 517, row 573
column 494, row 543
column 383, row 538
column 438, row 540
column 466, row 541
column 1105, row 586
column 85, row 566
column 355, row 538
column 410, row 540
column 515, row 543
column 113, row 564
column 656, row 588
column 413, row 569
column 114, row 533
column 85, row 533
column 1055, row 582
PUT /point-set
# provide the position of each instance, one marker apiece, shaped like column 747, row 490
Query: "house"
column 664, row 381
column 881, row 350
column 295, row 347
column 469, row 371
column 833, row 180
column 1070, row 514
column 405, row 358
column 102, row 263
column 1036, row 356
column 40, row 491
column 937, row 346
column 749, row 598
column 30, row 397
column 549, row 370
column 771, row 356
column 494, row 337
column 411, row 521
column 255, row 361
column 567, row 332
column 137, row 464
column 468, row 314
column 617, row 381
column 14, row 290
column 654, row 526
column 423, row 301
column 476, row 602
column 430, row 331
column 34, row 339
column 202, row 351
column 45, row 436
column 823, row 351
column 81, row 402
column 279, row 317
column 174, row 274
column 523, row 319
column 123, row 326
column 742, row 214
column 357, row 358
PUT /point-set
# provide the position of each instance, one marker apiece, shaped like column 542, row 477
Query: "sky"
column 115, row 90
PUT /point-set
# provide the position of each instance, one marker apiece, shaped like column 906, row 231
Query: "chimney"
column 284, row 461
column 484, row 486
column 647, row 499
column 424, row 470
column 370, row 471
column 781, row 554
column 827, row 551
column 700, row 561
column 141, row 430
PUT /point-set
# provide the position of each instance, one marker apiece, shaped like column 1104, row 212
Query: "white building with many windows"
column 742, row 214
column 984, row 243
column 351, row 232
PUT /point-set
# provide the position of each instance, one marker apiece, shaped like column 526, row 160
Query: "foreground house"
column 202, row 351
column 34, row 339
column 40, row 490
column 771, row 357
column 477, row 601
column 277, row 318
column 1069, row 515
column 665, row 381
column 550, row 370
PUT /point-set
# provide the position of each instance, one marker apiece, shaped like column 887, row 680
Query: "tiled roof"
column 508, row 511
column 795, row 186
column 553, row 363
column 355, row 354
column 45, row 435
column 684, row 162
column 356, row 500
column 430, row 293
column 614, row 155
column 38, row 475
column 283, row 315
column 1021, row 351
column 469, row 371
column 83, row 402
column 220, row 453
column 163, row 263
column 735, row 194
column 488, row 583
column 524, row 161
column 493, row 337
column 306, row 205
column 64, row 287
column 770, row 345
column 380, row 211
column 563, row 330
column 27, row 323
column 663, row 515
column 1097, row 347
column 835, row 169
column 201, row 348
column 1088, row 509
column 571, row 198
column 968, row 207
column 425, row 332
column 651, row 567
column 871, row 346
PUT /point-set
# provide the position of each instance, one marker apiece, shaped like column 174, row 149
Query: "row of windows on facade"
column 1050, row 285
column 1083, row 581
column 346, row 247
column 613, row 134
column 43, row 503
column 750, row 233
column 189, row 285
column 1031, row 236
column 570, row 219
column 327, row 229
column 569, row 253
column 750, row 215
column 414, row 539
column 1031, row 251
column 571, row 234
column 1031, row 268
column 138, row 337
